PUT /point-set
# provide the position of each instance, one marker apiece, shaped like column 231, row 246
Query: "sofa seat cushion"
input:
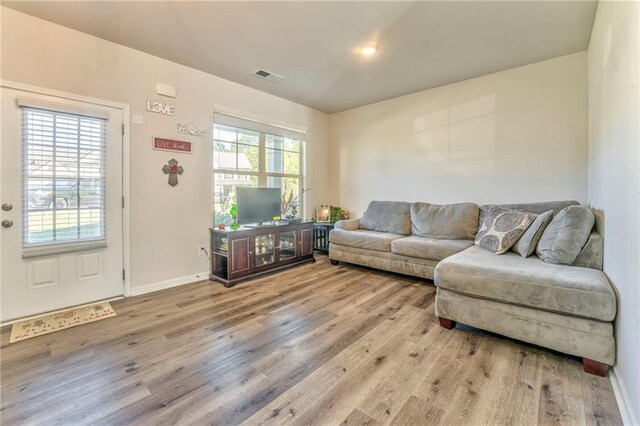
column 530, row 282
column 428, row 248
column 370, row 240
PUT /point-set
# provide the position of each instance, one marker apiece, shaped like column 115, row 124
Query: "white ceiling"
column 420, row 44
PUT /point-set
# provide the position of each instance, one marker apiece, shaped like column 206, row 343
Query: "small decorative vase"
column 234, row 214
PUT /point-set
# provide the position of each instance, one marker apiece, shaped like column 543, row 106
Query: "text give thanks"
column 171, row 145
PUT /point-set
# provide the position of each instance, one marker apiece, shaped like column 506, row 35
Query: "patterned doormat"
column 55, row 322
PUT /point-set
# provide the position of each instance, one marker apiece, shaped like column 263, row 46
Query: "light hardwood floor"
column 317, row 344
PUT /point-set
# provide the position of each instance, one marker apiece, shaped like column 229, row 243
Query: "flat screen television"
column 257, row 205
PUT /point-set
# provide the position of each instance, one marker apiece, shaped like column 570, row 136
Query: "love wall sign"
column 171, row 145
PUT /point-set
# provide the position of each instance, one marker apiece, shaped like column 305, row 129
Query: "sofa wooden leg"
column 334, row 262
column 595, row 367
column 447, row 323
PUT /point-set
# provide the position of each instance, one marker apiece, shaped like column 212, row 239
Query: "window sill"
column 52, row 249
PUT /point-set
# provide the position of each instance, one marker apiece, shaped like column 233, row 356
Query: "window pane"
column 290, row 189
column 40, row 160
column 64, row 159
column 278, row 142
column 275, row 161
column 90, row 223
column 39, row 194
column 224, row 156
column 40, row 226
column 235, row 135
column 248, row 158
column 239, row 152
column 248, row 137
column 91, row 193
column 66, row 225
column 224, row 195
column 291, row 162
column 279, row 161
column 224, row 133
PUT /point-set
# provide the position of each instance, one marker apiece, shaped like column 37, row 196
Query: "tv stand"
column 248, row 252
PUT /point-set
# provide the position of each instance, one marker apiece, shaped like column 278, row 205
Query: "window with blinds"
column 64, row 177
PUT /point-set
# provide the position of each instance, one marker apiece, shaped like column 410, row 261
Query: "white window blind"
column 64, row 177
column 257, row 126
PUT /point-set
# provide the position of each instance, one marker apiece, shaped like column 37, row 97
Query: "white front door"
column 61, row 238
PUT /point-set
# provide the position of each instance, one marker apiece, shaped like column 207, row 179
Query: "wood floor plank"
column 358, row 418
column 417, row 412
column 316, row 344
column 560, row 393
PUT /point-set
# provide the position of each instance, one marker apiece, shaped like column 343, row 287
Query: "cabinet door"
column 239, row 255
column 306, row 242
column 288, row 243
column 264, row 250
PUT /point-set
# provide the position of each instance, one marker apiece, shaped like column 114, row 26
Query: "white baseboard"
column 161, row 285
column 629, row 418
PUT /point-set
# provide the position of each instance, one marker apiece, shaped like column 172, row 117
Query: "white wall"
column 614, row 177
column 167, row 224
column 515, row 136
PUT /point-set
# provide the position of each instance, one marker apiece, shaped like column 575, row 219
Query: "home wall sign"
column 189, row 129
column 171, row 145
column 160, row 107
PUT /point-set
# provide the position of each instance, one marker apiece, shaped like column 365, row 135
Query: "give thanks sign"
column 171, row 145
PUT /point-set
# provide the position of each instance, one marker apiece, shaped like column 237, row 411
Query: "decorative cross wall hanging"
column 173, row 170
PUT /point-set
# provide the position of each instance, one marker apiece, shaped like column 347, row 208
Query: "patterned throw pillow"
column 502, row 228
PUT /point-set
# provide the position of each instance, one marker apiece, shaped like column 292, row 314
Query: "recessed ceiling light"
column 368, row 51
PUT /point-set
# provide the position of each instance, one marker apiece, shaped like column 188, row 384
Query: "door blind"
column 64, row 177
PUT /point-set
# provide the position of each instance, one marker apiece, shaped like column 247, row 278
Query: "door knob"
column 7, row 223
column 7, row 207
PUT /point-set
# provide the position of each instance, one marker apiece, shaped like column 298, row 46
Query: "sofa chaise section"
column 529, row 282
column 568, row 308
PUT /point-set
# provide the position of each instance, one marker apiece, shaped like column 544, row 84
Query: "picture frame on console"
column 323, row 214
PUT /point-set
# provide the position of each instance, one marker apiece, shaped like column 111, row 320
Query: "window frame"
column 262, row 174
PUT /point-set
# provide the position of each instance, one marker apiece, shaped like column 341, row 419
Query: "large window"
column 64, row 177
column 256, row 157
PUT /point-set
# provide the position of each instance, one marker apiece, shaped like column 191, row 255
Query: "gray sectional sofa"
column 568, row 308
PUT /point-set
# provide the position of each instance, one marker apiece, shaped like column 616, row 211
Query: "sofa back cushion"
column 566, row 235
column 527, row 244
column 537, row 208
column 387, row 216
column 592, row 253
column 451, row 221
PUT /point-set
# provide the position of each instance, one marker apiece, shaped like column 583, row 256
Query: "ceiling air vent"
column 268, row 75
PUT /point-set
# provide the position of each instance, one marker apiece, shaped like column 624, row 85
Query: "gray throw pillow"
column 526, row 245
column 502, row 228
column 565, row 236
column 387, row 216
column 451, row 221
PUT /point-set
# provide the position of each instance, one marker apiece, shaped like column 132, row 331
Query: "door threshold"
column 13, row 321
